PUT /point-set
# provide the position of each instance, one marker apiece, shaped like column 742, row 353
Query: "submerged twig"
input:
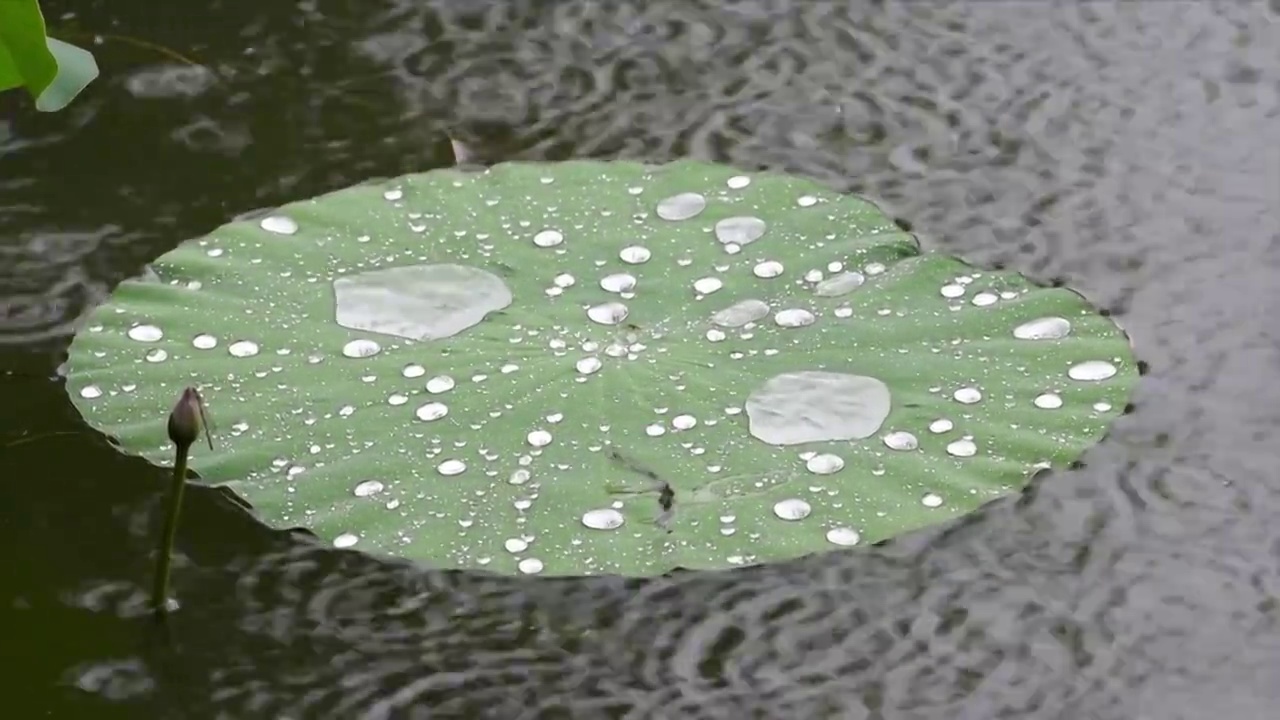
column 186, row 422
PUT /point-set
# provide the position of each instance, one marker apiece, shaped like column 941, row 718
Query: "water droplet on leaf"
column 278, row 224
column 681, row 207
column 792, row 509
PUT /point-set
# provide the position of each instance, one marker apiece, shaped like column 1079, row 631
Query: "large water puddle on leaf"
column 813, row 406
column 419, row 302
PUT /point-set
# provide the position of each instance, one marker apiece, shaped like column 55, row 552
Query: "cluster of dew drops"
column 733, row 233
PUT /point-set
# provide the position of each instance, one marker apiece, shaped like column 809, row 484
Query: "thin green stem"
column 164, row 552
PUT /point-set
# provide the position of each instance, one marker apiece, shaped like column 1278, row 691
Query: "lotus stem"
column 186, row 422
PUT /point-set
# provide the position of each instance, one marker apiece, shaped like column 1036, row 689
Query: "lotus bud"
column 187, row 420
column 462, row 155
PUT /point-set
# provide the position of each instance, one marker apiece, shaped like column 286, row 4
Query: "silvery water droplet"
column 952, row 291
column 145, row 333
column 824, row 464
column 707, row 285
column 157, row 355
column 941, row 425
column 875, row 268
column 931, row 500
column 413, row 370
column 792, row 509
column 418, row 302
column 397, row 399
column 682, row 206
column 214, row 252
column 368, row 488
column 603, row 519
column 539, row 438
column 967, row 395
column 1102, row 406
column 530, row 566
column 345, row 540
column 548, row 238
column 440, row 384
column 742, row 230
column 451, row 467
column 90, row 392
column 741, row 313
column 1045, row 328
column 610, row 313
column 962, row 448
column 767, row 269
column 843, row 536
column 842, row 284
column 737, row 182
column 515, row 545
column 618, row 282
column 806, row 201
column 243, row 348
column 985, row 299
column 684, row 422
column 635, row 254
column 564, row 280
column 1092, row 370
column 204, row 342
column 1048, row 401
column 393, row 194
column 655, row 430
column 588, row 365
column 278, row 224
column 519, row 476
column 901, row 440
column 431, row 411
column 817, row 406
column 794, row 318
column 361, row 348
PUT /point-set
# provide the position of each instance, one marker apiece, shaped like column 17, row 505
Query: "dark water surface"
column 1131, row 149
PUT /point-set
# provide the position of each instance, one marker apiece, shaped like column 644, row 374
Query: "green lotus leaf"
column 599, row 367
column 52, row 71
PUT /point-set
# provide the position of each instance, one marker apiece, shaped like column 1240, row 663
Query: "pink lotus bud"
column 462, row 155
column 187, row 420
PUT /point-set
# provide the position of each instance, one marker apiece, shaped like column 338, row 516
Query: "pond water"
column 1131, row 150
